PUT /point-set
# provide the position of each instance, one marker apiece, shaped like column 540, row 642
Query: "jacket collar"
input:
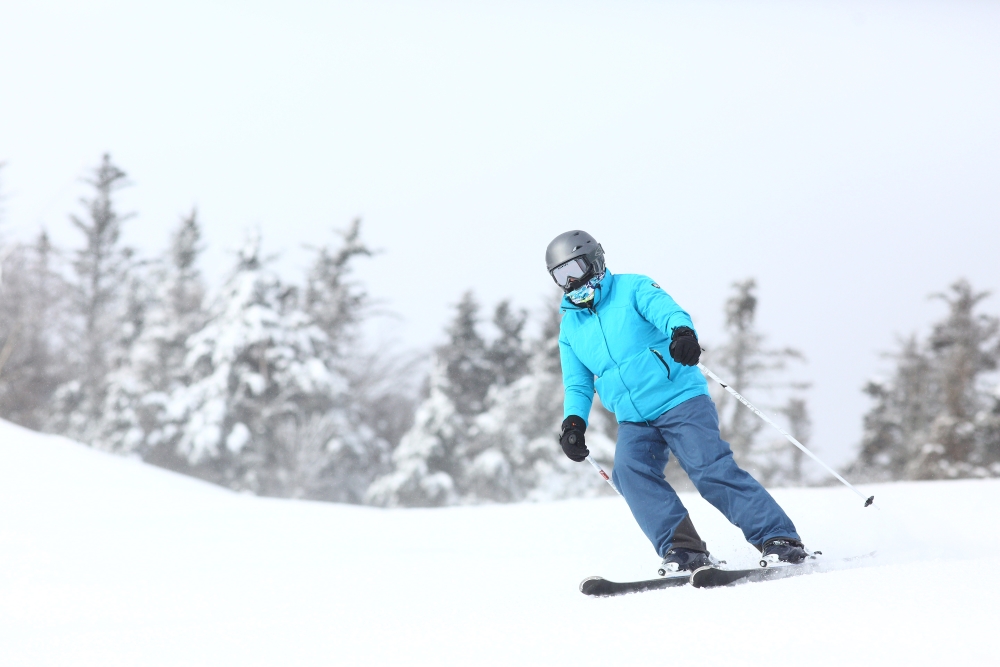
column 600, row 293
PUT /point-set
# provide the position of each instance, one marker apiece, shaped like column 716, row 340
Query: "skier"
column 628, row 339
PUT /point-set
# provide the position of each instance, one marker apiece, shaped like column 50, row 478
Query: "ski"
column 601, row 587
column 712, row 577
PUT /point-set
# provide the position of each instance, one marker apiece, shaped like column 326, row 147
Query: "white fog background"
column 846, row 154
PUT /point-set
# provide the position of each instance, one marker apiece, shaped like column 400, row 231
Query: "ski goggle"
column 570, row 272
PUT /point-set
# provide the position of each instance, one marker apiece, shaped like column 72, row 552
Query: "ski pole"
column 868, row 501
column 603, row 474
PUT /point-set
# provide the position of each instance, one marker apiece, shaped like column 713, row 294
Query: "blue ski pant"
column 691, row 432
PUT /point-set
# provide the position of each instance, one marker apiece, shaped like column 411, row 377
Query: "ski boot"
column 685, row 560
column 785, row 551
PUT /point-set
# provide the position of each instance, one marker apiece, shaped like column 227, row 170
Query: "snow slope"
column 106, row 561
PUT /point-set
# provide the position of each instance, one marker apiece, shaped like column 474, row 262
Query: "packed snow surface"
column 106, row 561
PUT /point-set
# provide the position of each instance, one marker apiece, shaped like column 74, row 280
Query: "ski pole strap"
column 603, row 474
column 870, row 500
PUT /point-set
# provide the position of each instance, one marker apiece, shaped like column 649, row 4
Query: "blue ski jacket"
column 620, row 346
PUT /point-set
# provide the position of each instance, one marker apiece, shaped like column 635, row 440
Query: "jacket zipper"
column 662, row 361
column 628, row 391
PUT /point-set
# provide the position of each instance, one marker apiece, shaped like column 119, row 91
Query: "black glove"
column 684, row 347
column 572, row 440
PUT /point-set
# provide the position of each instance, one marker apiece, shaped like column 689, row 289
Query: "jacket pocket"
column 662, row 361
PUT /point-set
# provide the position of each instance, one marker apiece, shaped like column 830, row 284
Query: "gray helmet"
column 574, row 245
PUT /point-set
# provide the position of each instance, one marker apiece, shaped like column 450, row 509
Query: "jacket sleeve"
column 659, row 309
column 578, row 382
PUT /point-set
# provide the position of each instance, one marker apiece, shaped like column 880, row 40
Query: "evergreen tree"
column 7, row 331
column 507, row 354
column 500, row 444
column 264, row 391
column 366, row 425
column 516, row 441
column 965, row 346
column 990, row 434
column 936, row 416
column 796, row 411
column 10, row 322
column 749, row 365
column 428, row 464
column 351, row 436
column 904, row 407
column 100, row 303
column 32, row 328
column 256, row 369
column 338, row 304
column 490, row 468
column 424, row 463
column 468, row 373
column 135, row 416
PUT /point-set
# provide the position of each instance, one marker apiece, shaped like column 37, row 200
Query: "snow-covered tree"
column 271, row 389
column 336, row 303
column 424, row 465
column 366, row 424
column 507, row 354
column 104, row 313
column 257, row 372
column 428, row 464
column 490, row 469
column 352, row 434
column 500, row 443
column 936, row 416
column 990, row 433
column 515, row 442
column 753, row 368
column 965, row 347
column 796, row 411
column 467, row 371
column 7, row 331
column 904, row 406
column 32, row 326
column 272, row 395
column 135, row 418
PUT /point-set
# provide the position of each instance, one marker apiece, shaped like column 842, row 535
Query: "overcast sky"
column 846, row 154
